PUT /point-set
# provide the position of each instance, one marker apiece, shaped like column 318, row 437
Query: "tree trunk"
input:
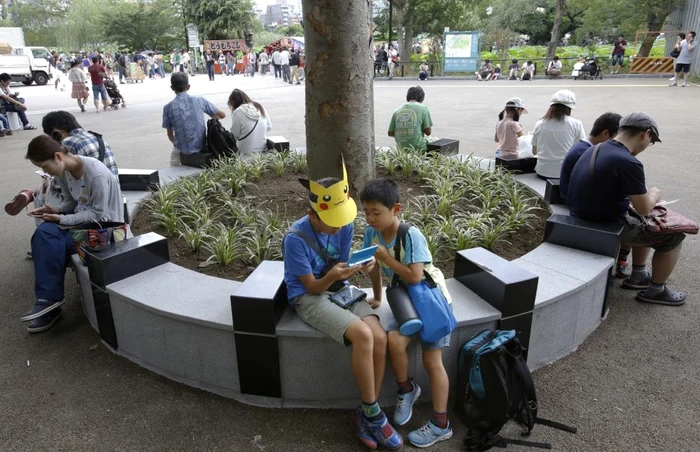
column 655, row 23
column 406, row 50
column 399, row 17
column 556, row 29
column 339, row 83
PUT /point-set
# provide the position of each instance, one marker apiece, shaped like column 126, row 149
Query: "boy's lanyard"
column 320, row 246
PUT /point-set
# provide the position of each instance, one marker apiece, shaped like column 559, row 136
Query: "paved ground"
column 632, row 386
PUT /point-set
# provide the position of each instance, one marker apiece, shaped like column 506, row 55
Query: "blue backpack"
column 495, row 386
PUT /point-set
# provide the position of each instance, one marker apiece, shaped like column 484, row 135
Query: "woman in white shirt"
column 250, row 123
column 555, row 134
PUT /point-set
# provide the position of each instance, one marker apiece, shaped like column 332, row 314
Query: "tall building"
column 282, row 13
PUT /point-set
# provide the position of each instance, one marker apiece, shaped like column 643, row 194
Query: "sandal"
column 636, row 283
column 19, row 202
column 666, row 297
column 29, row 128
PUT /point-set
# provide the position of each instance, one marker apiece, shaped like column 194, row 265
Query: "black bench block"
column 258, row 364
column 502, row 284
column 197, row 160
column 572, row 232
column 445, row 146
column 551, row 192
column 127, row 258
column 138, row 179
column 278, row 143
column 522, row 324
column 526, row 165
column 258, row 303
column 105, row 320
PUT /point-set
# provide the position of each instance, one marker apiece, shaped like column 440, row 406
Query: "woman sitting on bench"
column 250, row 123
column 12, row 102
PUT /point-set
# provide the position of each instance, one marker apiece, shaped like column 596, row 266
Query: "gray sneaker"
column 404, row 405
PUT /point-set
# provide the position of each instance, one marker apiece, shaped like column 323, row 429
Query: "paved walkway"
column 633, row 385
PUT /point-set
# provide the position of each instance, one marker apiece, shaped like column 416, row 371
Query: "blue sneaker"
column 404, row 405
column 430, row 434
column 384, row 433
column 41, row 308
column 44, row 322
column 363, row 429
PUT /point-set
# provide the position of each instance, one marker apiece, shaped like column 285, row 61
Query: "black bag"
column 494, row 386
column 675, row 53
column 219, row 142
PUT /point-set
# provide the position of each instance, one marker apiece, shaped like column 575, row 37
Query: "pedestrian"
column 151, row 66
column 276, row 63
column 209, row 61
column 79, row 92
column 284, row 64
column 183, row 119
column 393, row 57
column 60, row 72
column 294, row 67
column 97, row 74
column 687, row 50
column 122, row 61
column 230, row 64
column 264, row 60
column 251, row 63
column 377, row 61
column 618, row 54
column 222, row 63
column 161, row 66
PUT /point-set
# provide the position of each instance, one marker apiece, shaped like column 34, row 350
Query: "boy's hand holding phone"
column 342, row 272
column 381, row 254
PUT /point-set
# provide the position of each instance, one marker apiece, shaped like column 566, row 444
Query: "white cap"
column 564, row 97
column 516, row 102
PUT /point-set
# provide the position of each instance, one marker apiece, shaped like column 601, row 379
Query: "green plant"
column 263, row 245
column 278, row 164
column 257, row 165
column 387, row 161
column 298, row 162
column 225, row 245
column 194, row 236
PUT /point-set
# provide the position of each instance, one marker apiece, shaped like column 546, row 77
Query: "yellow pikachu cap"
column 333, row 205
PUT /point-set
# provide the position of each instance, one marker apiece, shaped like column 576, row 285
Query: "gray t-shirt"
column 686, row 52
column 94, row 197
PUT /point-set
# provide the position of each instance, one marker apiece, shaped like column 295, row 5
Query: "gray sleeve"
column 99, row 188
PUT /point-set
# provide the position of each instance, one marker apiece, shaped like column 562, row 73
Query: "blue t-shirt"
column 300, row 259
column 568, row 164
column 618, row 175
column 184, row 116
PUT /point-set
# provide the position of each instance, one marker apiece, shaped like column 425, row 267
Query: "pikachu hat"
column 333, row 205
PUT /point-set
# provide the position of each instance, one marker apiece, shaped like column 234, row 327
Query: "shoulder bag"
column 660, row 220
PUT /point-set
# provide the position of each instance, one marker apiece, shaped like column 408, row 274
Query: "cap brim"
column 340, row 216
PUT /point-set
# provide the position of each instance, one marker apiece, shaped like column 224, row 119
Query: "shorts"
column 437, row 345
column 681, row 67
column 618, row 59
column 321, row 313
column 98, row 90
column 634, row 234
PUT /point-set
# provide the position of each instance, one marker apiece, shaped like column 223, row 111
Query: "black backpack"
column 495, row 386
column 219, row 142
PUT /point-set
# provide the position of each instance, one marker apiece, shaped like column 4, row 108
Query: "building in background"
column 281, row 13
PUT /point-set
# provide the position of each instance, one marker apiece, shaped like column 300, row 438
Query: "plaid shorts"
column 635, row 234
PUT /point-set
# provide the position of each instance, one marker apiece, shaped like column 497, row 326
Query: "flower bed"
column 231, row 217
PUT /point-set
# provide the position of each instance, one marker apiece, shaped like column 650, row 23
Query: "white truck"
column 24, row 64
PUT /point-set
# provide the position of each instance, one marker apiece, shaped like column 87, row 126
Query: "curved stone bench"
column 178, row 323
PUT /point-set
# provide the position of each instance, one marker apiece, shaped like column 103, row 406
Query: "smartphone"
column 43, row 174
column 362, row 256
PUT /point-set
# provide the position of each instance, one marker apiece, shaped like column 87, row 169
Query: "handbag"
column 94, row 236
column 660, row 220
column 675, row 53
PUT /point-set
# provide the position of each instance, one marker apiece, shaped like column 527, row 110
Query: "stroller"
column 589, row 70
column 113, row 93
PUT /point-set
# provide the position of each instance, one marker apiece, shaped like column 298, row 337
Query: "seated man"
column 554, row 68
column 316, row 250
column 184, row 120
column 527, row 71
column 12, row 102
column 4, row 125
column 423, row 74
column 513, row 70
column 485, row 70
column 411, row 124
column 604, row 194
column 496, row 72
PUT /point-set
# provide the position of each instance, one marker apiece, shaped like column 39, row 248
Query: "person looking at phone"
column 381, row 204
column 12, row 101
column 91, row 194
column 316, row 250
column 685, row 57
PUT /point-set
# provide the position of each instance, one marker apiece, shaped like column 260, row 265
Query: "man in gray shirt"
column 687, row 48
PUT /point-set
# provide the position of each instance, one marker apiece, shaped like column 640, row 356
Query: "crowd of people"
column 286, row 63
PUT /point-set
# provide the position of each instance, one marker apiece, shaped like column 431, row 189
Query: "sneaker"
column 404, row 405
column 430, row 434
column 45, row 322
column 363, row 431
column 683, row 85
column 384, row 433
column 40, row 309
column 621, row 269
column 673, row 83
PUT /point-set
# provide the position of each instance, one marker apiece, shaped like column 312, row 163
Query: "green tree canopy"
column 222, row 19
column 290, row 30
column 39, row 19
column 139, row 26
column 82, row 28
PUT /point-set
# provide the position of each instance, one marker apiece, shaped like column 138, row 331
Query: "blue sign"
column 461, row 51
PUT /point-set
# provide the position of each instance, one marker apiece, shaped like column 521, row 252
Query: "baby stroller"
column 589, row 70
column 114, row 94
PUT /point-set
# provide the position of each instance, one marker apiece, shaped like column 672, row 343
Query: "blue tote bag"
column 432, row 308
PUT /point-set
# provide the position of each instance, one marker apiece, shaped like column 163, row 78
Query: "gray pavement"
column 632, row 386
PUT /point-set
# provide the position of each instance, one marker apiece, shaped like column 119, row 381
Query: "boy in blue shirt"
column 316, row 250
column 380, row 201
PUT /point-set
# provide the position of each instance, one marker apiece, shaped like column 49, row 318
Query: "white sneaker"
column 673, row 83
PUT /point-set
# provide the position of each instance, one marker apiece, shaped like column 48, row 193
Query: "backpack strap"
column 101, row 143
column 399, row 242
column 312, row 243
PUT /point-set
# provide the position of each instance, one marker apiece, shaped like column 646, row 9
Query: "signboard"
column 648, row 65
column 225, row 45
column 461, row 51
column 192, row 35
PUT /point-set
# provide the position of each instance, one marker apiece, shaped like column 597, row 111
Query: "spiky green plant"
column 225, row 245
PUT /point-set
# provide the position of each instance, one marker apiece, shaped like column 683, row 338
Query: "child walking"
column 508, row 129
column 380, row 201
column 77, row 77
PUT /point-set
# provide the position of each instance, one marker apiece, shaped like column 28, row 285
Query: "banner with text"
column 461, row 51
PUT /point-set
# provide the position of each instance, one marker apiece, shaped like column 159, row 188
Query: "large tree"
column 222, row 19
column 556, row 28
column 140, row 26
column 39, row 19
column 339, row 96
column 82, row 28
